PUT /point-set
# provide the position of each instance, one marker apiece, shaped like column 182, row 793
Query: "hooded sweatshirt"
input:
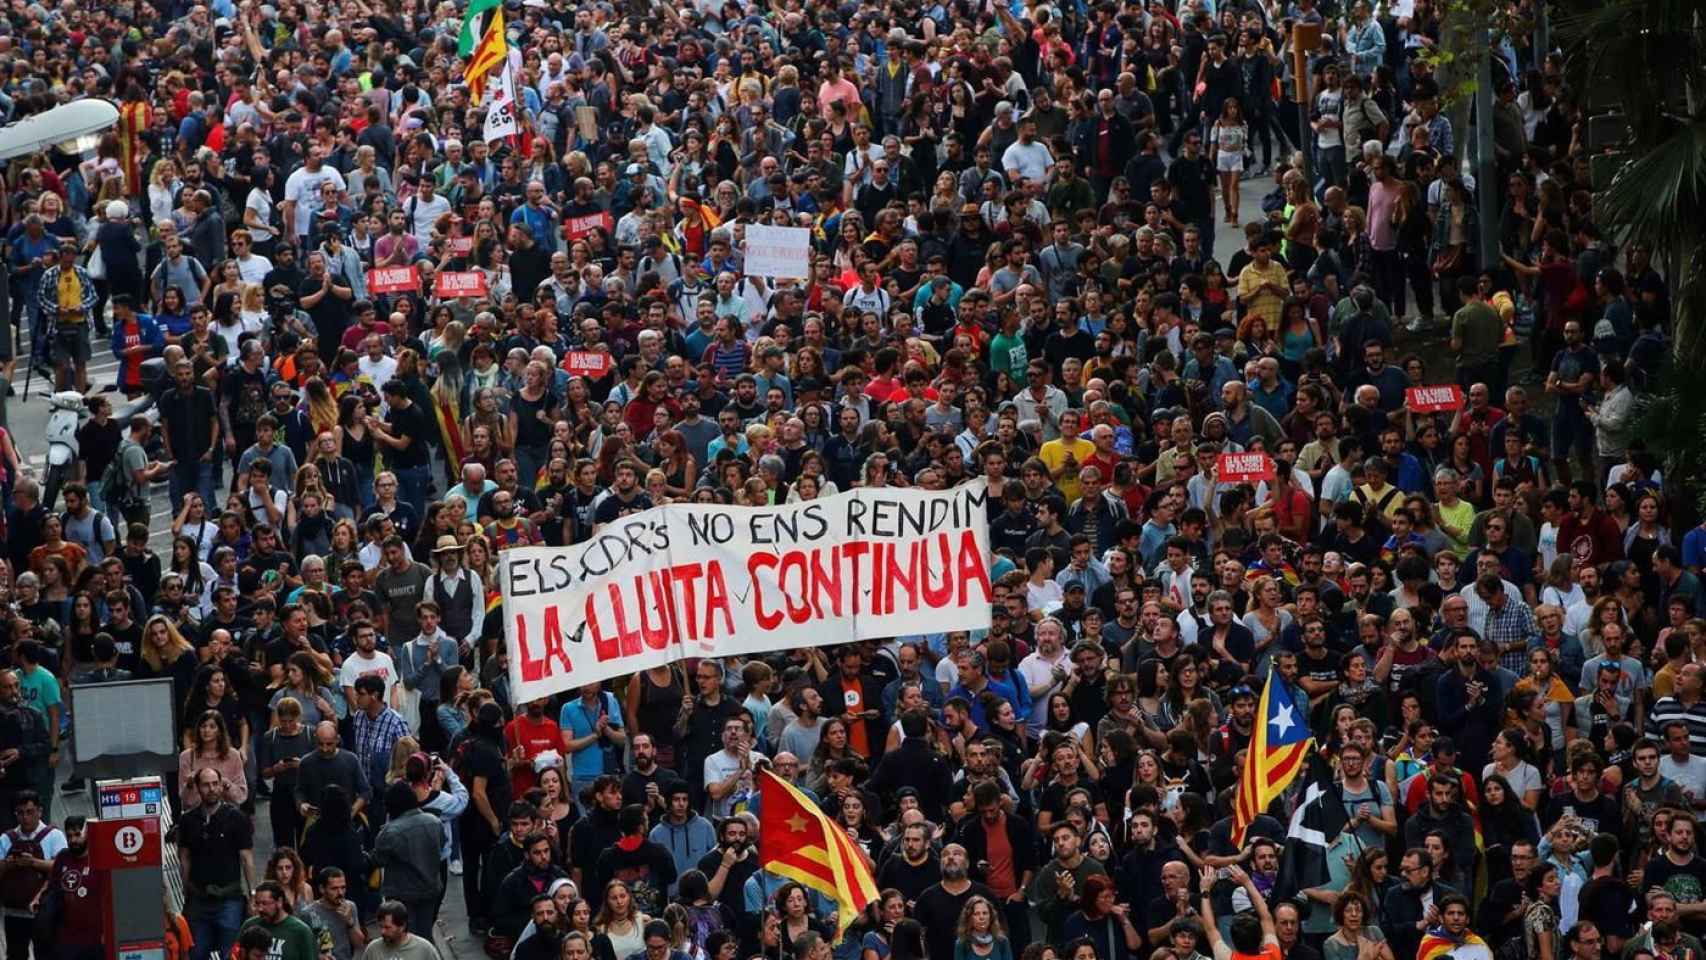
column 686, row 842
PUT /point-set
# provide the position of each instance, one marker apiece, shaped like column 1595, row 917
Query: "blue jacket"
column 686, row 842
column 153, row 335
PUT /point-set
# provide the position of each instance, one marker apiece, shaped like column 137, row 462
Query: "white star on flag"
column 1281, row 720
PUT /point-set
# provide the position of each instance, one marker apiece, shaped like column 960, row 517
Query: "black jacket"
column 914, row 764
column 513, row 905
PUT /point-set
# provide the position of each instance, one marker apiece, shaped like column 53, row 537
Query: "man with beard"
column 1413, row 904
column 914, row 869
column 291, row 938
column 24, row 746
column 939, row 906
column 624, row 497
column 730, row 864
column 1059, row 882
column 216, row 859
column 1679, row 871
column 333, row 915
column 646, row 782
column 542, row 940
column 512, row 906
column 77, row 930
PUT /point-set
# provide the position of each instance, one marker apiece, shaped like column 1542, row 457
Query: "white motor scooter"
column 67, row 415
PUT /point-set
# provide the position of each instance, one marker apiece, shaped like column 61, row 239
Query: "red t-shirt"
column 534, row 738
column 1596, row 541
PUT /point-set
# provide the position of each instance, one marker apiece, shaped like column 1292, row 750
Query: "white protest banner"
column 778, row 252
column 500, row 109
column 697, row 580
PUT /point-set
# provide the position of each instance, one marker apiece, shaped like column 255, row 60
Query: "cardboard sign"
column 1244, row 468
column 778, row 252
column 695, row 580
column 1434, row 399
column 588, row 363
column 466, row 283
column 578, row 227
column 461, row 246
column 393, row 280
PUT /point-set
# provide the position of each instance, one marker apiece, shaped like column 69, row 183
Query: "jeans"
column 191, row 474
column 412, row 486
column 214, row 923
column 1333, row 166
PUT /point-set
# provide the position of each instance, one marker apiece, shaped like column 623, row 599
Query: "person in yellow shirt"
column 1065, row 454
column 1262, row 283
column 1452, row 514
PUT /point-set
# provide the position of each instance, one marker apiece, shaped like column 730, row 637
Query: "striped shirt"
column 1692, row 716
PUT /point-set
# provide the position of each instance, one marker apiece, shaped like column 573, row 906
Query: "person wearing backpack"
column 124, row 486
column 27, row 852
column 594, row 734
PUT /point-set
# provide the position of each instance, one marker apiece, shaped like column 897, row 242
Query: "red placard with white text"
column 1244, row 468
column 393, row 279
column 578, row 227
column 587, row 363
column 465, row 283
column 1435, row 399
column 461, row 246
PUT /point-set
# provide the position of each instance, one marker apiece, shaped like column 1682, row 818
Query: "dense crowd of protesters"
column 1492, row 613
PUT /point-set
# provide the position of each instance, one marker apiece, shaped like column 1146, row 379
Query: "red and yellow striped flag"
column 797, row 841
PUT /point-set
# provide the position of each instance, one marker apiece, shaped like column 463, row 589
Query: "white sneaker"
column 456, row 868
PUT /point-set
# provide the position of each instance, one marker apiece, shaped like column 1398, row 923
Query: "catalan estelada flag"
column 482, row 40
column 1437, row 944
column 1277, row 750
column 796, row 840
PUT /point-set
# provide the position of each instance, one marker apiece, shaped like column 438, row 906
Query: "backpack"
column 116, row 485
column 19, row 886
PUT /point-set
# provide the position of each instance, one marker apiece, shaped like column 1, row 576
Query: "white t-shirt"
column 947, row 673
column 1036, row 670
column 379, row 665
column 425, row 212
column 1547, row 545
column 1032, row 160
column 303, row 188
column 379, row 370
column 718, row 767
column 1522, row 777
column 1039, row 596
column 1690, row 776
column 260, row 201
column 254, row 267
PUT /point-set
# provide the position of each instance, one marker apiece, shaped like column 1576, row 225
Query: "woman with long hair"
column 285, row 868
column 1504, row 819
column 620, row 926
column 1153, row 683
column 1540, row 920
column 1370, row 879
column 311, row 685
column 212, row 690
column 357, row 444
column 165, row 653
column 831, row 746
column 981, row 932
column 211, row 747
